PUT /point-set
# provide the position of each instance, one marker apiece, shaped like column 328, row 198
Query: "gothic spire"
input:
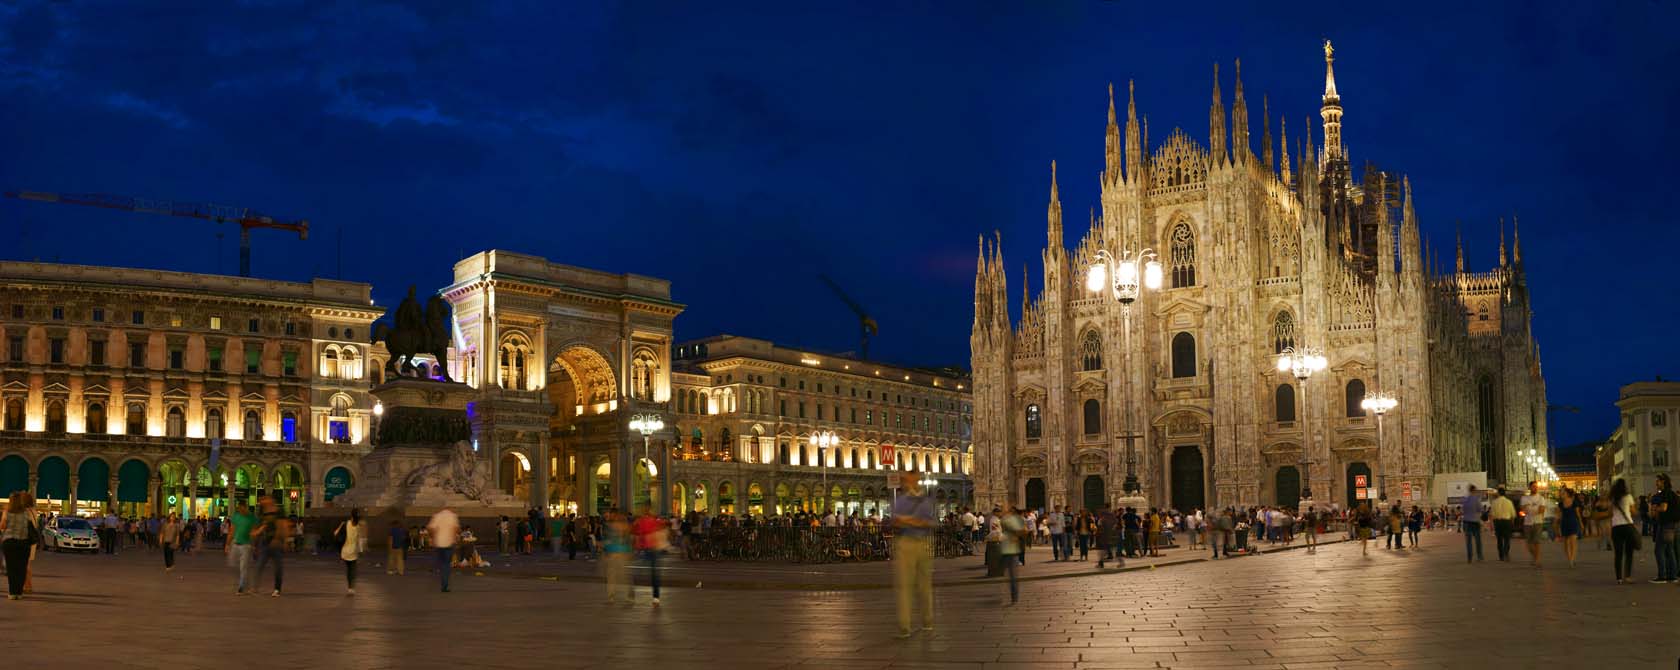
column 1459, row 266
column 1283, row 148
column 1516, row 241
column 1216, row 122
column 1054, row 212
column 1111, row 141
column 1266, row 134
column 1240, row 147
column 1331, row 110
column 1134, row 141
column 1501, row 241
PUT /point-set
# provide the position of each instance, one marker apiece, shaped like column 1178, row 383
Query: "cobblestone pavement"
column 1290, row 609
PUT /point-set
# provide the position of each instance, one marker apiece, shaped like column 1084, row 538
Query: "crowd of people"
column 1616, row 521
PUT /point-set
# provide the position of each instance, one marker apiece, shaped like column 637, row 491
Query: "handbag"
column 34, row 533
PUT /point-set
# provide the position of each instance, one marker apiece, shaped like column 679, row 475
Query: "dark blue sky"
column 742, row 151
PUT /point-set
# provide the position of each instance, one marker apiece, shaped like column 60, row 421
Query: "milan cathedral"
column 1178, row 397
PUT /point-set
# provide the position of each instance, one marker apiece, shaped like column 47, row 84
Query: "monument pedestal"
column 423, row 461
column 1137, row 502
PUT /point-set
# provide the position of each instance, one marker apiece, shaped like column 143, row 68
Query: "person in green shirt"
column 238, row 546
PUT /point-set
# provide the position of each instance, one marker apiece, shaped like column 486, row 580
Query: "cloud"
column 423, row 112
column 130, row 103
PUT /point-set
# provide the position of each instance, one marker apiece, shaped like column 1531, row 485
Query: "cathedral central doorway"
column 1288, row 487
column 1035, row 493
column 1187, row 491
column 1095, row 492
column 1358, row 478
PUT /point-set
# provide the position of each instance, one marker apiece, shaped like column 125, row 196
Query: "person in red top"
column 651, row 540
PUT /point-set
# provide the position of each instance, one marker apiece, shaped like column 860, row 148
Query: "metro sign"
column 1360, row 481
column 887, row 454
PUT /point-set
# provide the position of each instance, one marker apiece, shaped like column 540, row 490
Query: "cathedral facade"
column 1178, row 397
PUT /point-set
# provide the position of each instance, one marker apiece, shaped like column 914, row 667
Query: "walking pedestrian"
column 238, row 546
column 1534, row 520
column 1470, row 518
column 1414, row 525
column 1086, row 525
column 274, row 531
column 912, row 553
column 652, row 539
column 168, row 537
column 396, row 553
column 1058, row 532
column 1108, row 534
column 1396, row 524
column 444, row 529
column 352, row 533
column 1363, row 523
column 1504, row 516
column 18, row 535
column 1623, row 534
column 1569, row 522
column 1309, row 527
column 1665, row 511
column 1014, row 537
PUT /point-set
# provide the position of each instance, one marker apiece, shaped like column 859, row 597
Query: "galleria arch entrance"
column 565, row 357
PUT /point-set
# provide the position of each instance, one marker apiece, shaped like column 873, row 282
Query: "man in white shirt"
column 1534, row 508
column 830, row 520
column 970, row 523
column 1058, row 534
column 444, row 527
column 113, row 528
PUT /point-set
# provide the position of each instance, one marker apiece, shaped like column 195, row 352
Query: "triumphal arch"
column 563, row 358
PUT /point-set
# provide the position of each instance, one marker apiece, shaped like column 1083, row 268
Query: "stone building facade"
column 746, row 409
column 1643, row 444
column 150, row 391
column 563, row 358
column 1259, row 253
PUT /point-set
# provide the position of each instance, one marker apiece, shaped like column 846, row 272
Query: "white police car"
column 69, row 534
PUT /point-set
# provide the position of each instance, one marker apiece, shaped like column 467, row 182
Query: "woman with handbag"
column 18, row 535
column 1623, row 534
column 351, row 533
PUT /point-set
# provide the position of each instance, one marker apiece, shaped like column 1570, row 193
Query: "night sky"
column 742, row 152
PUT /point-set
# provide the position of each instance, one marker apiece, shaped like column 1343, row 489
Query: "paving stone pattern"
column 1289, row 609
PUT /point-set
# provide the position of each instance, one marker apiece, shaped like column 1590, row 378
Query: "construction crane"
column 866, row 323
column 246, row 218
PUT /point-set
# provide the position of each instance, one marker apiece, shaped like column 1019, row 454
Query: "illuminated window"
column 215, row 323
column 1035, row 428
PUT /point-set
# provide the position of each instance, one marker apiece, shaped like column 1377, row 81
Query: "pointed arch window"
column 1093, row 416
column 1284, row 400
column 1183, row 355
column 1035, row 425
column 1355, row 395
column 1283, row 332
column 1182, row 262
column 1091, row 351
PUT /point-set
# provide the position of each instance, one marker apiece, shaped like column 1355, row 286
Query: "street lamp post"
column 1379, row 404
column 1303, row 362
column 647, row 425
column 824, row 440
column 378, row 413
column 1125, row 288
